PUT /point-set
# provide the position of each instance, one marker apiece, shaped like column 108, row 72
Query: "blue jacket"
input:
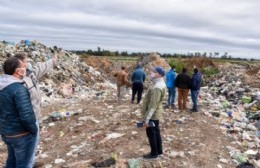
column 195, row 81
column 16, row 111
column 138, row 76
column 170, row 78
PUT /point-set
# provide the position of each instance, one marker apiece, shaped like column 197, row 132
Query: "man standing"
column 138, row 78
column 183, row 82
column 152, row 111
column 33, row 75
column 17, row 119
column 121, row 81
column 170, row 84
column 195, row 88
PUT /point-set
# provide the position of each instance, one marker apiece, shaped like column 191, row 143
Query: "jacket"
column 138, row 76
column 153, row 99
column 31, row 83
column 170, row 79
column 121, row 78
column 183, row 81
column 196, row 81
column 16, row 111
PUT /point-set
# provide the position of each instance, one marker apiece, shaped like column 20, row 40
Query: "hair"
column 195, row 70
column 173, row 67
column 21, row 56
column 123, row 68
column 184, row 70
column 11, row 64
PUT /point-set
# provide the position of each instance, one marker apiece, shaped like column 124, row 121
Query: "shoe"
column 149, row 156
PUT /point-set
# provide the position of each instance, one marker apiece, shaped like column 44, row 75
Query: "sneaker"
column 149, row 156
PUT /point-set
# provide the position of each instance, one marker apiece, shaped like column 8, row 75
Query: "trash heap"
column 85, row 81
column 237, row 106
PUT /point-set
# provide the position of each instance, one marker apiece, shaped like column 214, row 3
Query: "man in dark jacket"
column 138, row 78
column 17, row 119
column 183, row 82
column 195, row 88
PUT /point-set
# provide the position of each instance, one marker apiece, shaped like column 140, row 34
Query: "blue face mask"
column 30, row 68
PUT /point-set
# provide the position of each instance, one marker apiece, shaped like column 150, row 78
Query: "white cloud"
column 148, row 25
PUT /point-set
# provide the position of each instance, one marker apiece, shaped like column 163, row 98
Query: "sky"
column 164, row 26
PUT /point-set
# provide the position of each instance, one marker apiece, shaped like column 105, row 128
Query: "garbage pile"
column 85, row 81
column 237, row 106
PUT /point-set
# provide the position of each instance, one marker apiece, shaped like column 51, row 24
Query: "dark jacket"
column 196, row 81
column 138, row 76
column 16, row 111
column 183, row 81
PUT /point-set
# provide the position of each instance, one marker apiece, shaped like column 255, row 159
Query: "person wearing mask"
column 121, row 81
column 18, row 127
column 152, row 111
column 183, row 82
column 31, row 80
column 195, row 88
column 170, row 84
column 137, row 78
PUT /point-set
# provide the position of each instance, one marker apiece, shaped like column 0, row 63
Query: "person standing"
column 121, row 81
column 33, row 75
column 183, row 82
column 170, row 84
column 138, row 78
column 195, row 88
column 18, row 127
column 152, row 111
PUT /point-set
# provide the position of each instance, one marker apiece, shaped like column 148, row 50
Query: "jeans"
column 155, row 140
column 194, row 97
column 137, row 88
column 37, row 141
column 171, row 96
column 21, row 151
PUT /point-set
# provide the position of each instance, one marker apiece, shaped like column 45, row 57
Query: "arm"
column 42, row 68
column 25, row 110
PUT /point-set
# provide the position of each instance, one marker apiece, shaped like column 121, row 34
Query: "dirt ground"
column 82, row 139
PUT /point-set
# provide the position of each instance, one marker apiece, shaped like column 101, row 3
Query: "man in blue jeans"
column 195, row 88
column 17, row 119
column 170, row 84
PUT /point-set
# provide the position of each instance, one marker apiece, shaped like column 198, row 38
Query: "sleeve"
column 42, row 68
column 25, row 110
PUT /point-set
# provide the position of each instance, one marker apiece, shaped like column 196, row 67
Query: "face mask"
column 153, row 76
column 23, row 72
column 29, row 67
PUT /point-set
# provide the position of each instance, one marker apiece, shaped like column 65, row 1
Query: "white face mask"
column 153, row 75
column 23, row 74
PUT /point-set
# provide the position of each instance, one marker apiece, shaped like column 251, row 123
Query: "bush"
column 208, row 71
column 178, row 65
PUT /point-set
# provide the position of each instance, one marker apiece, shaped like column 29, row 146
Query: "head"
column 195, row 70
column 138, row 66
column 157, row 72
column 14, row 66
column 173, row 67
column 123, row 68
column 184, row 70
column 23, row 57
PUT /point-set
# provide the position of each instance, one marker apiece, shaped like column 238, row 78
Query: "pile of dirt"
column 199, row 62
column 100, row 63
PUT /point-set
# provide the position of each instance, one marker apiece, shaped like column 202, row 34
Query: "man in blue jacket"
column 195, row 88
column 170, row 84
column 17, row 119
column 138, row 78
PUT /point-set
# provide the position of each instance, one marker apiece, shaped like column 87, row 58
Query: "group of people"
column 20, row 108
column 152, row 104
column 20, row 103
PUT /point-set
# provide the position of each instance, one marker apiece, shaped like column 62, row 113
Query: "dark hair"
column 173, row 66
column 11, row 64
column 195, row 70
column 123, row 67
column 21, row 56
column 184, row 70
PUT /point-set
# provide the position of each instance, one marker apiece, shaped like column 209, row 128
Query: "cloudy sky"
column 165, row 26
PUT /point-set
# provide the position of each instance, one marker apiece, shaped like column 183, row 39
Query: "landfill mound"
column 85, row 80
